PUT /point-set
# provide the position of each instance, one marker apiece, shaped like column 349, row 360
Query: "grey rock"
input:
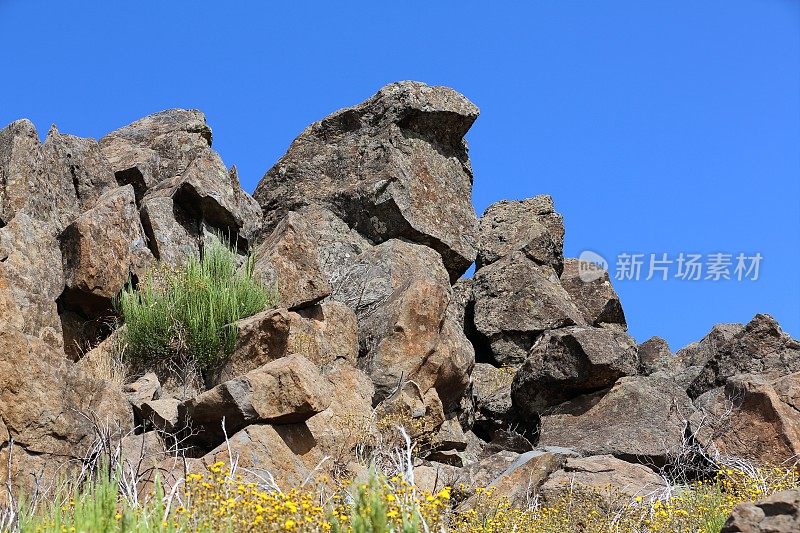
column 515, row 301
column 654, row 356
column 777, row 513
column 386, row 167
column 531, row 226
column 596, row 298
column 571, row 361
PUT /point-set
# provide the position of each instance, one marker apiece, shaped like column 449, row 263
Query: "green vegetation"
column 192, row 311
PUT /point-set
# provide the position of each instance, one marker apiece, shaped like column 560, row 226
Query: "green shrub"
column 191, row 311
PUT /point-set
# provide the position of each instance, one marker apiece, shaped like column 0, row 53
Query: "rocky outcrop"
column 602, row 474
column 655, row 355
column 594, row 296
column 778, row 513
column 385, row 167
column 567, row 362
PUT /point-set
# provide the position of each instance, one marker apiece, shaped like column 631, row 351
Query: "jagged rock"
column 639, row 417
column 520, row 480
column 31, row 279
column 761, row 346
column 481, row 473
column 156, row 147
column 571, row 361
column 777, row 513
column 603, row 475
column 386, row 166
column 321, row 333
column 690, row 360
column 285, row 453
column 530, row 226
column 50, row 408
column 284, row 391
column 491, row 390
column 596, row 298
column 461, row 303
column 449, row 367
column 102, row 249
column 207, row 192
column 142, row 451
column 420, row 414
column 655, row 355
column 288, row 260
column 516, row 300
column 81, row 163
column 144, row 389
column 36, row 179
column 172, row 234
column 753, row 417
column 162, row 414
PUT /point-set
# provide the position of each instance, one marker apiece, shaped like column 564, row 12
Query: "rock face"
column 779, row 513
column 522, row 378
column 515, row 301
column 754, row 417
column 567, row 362
column 385, row 167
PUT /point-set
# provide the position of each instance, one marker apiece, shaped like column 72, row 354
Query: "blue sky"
column 658, row 127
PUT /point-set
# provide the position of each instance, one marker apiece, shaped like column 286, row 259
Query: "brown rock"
column 603, row 475
column 172, row 233
column 516, row 300
column 655, row 355
column 777, row 513
column 753, row 417
column 102, row 249
column 288, row 260
column 30, row 279
column 596, row 298
column 570, row 361
column 530, row 226
column 762, row 346
column 162, row 414
column 284, row 391
column 386, row 167
column 639, row 417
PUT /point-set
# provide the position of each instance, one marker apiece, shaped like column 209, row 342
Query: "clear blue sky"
column 658, row 127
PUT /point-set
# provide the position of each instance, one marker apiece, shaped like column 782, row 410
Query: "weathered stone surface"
column 386, row 166
column 288, row 260
column 461, row 303
column 81, row 163
column 102, row 249
column 285, row 453
column 420, row 413
column 142, row 451
column 570, row 361
column 778, row 513
column 639, row 417
column 516, row 300
column 157, row 147
column 754, row 417
column 604, row 475
column 144, row 389
column 596, row 298
column 655, row 355
column 762, row 346
column 173, row 235
column 36, row 179
column 449, row 367
column 491, row 389
column 162, row 414
column 288, row 390
column 31, row 279
column 530, row 226
column 322, row 333
column 49, row 407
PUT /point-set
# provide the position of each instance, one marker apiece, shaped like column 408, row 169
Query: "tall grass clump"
column 191, row 311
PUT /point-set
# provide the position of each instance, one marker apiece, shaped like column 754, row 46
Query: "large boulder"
column 594, row 295
column 37, row 179
column 754, row 417
column 51, row 410
column 655, row 356
column 288, row 261
column 288, row 390
column 173, row 235
column 642, row 418
column 31, row 279
column 777, row 513
column 530, row 226
column 602, row 475
column 102, row 249
column 761, row 346
column 567, row 362
column 515, row 301
column 386, row 167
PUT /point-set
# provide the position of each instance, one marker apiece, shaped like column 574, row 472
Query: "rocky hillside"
column 522, row 377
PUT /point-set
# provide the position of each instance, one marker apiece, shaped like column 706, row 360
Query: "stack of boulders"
column 522, row 377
